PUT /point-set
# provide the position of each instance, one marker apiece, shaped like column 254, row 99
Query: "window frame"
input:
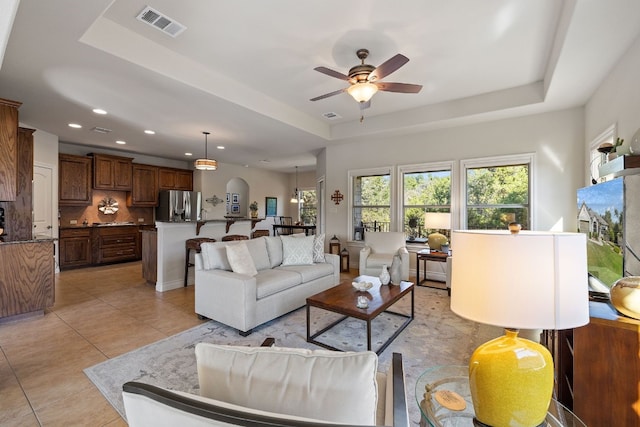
column 497, row 161
column 426, row 167
column 354, row 173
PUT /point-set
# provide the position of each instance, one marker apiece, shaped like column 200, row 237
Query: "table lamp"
column 437, row 221
column 528, row 280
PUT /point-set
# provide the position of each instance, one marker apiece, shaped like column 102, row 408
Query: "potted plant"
column 253, row 207
column 412, row 222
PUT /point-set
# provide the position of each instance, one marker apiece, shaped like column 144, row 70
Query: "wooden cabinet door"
column 74, row 187
column 166, row 179
column 122, row 180
column 184, row 180
column 19, row 214
column 111, row 172
column 8, row 149
column 75, row 248
column 144, row 191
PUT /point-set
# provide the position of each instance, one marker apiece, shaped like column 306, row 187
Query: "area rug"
column 435, row 337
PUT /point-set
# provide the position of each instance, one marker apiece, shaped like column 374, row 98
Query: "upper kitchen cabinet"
column 144, row 190
column 175, row 179
column 112, row 172
column 74, row 173
column 8, row 149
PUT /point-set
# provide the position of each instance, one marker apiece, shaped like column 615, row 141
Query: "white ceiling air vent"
column 161, row 22
column 331, row 116
column 101, row 130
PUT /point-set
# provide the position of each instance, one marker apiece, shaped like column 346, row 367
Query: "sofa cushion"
column 309, row 272
column 240, row 259
column 274, row 248
column 333, row 386
column 297, row 250
column 272, row 281
column 258, row 251
column 214, row 256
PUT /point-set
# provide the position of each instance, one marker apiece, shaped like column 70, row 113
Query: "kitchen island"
column 170, row 246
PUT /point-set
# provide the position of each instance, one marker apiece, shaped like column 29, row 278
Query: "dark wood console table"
column 424, row 257
column 308, row 229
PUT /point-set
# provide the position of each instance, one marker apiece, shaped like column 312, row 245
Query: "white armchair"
column 379, row 249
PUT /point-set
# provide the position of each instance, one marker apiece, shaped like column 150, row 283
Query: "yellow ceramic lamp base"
column 436, row 240
column 511, row 381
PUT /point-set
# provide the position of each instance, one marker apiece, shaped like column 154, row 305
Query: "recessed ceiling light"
column 149, row 132
column 75, row 125
column 265, row 161
column 188, row 154
column 220, row 147
column 99, row 111
column 121, row 142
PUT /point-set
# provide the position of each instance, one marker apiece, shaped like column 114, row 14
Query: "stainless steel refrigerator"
column 177, row 206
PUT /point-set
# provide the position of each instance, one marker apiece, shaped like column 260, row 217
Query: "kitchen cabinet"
column 115, row 244
column 8, row 149
column 175, row 179
column 33, row 289
column 75, row 247
column 19, row 213
column 144, row 190
column 112, row 172
column 74, row 187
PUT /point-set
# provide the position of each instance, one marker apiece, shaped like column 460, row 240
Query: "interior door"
column 42, row 202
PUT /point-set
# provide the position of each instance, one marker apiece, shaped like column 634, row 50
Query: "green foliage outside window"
column 424, row 192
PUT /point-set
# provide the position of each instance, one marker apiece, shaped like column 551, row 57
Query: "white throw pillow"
column 240, row 259
column 318, row 248
column 258, row 251
column 214, row 256
column 332, row 386
column 297, row 250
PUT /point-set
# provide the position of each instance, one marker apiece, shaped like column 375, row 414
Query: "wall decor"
column 228, row 197
column 215, row 200
column 235, row 198
column 337, row 197
column 235, row 208
column 108, row 206
column 271, row 204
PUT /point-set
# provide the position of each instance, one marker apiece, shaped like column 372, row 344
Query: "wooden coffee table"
column 341, row 299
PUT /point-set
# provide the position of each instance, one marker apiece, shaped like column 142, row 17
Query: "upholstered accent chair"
column 379, row 250
column 271, row 386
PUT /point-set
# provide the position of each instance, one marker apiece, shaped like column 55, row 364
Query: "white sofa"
column 288, row 269
column 271, row 386
column 379, row 250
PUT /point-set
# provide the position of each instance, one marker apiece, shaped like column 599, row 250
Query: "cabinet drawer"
column 121, row 239
column 118, row 253
column 75, row 232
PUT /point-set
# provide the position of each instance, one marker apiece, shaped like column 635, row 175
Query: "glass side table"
column 456, row 379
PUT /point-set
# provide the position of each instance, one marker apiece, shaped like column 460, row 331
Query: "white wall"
column 617, row 100
column 556, row 138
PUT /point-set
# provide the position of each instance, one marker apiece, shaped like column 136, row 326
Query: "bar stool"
column 231, row 237
column 259, row 233
column 193, row 244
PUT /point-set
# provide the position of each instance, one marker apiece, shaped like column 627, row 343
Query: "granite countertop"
column 103, row 224
column 14, row 242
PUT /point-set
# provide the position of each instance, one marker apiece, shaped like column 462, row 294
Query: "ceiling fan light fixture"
column 205, row 164
column 362, row 92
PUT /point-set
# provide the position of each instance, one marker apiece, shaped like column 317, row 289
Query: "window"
column 597, row 158
column 371, row 201
column 425, row 188
column 498, row 191
column 308, row 207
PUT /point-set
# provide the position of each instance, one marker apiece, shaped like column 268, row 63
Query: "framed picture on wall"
column 228, row 197
column 271, row 204
column 235, row 198
column 235, row 208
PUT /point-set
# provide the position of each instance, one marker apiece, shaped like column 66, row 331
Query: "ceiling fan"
column 364, row 79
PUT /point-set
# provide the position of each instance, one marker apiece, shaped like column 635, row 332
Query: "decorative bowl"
column 362, row 286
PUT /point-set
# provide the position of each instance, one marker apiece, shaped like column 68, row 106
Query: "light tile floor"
column 99, row 313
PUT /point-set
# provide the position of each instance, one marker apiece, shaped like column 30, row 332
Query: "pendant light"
column 205, row 164
column 295, row 196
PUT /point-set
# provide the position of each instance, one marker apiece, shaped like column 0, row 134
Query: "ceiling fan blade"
column 399, row 87
column 326, row 95
column 388, row 67
column 332, row 73
column 365, row 105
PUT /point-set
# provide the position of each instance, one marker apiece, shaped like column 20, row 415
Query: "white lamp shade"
column 362, row 92
column 437, row 220
column 529, row 280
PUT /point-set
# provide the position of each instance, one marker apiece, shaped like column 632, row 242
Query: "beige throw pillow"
column 240, row 259
column 297, row 250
